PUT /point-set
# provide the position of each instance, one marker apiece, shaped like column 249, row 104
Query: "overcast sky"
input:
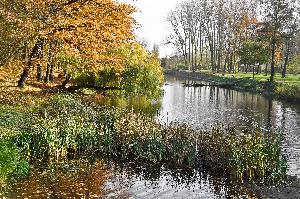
column 152, row 17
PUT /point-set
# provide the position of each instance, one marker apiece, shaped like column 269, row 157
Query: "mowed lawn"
column 290, row 78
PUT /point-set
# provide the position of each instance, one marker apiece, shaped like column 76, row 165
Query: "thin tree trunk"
column 258, row 70
column 266, row 69
column 39, row 73
column 51, row 77
column 273, row 59
column 47, row 76
column 287, row 53
column 36, row 51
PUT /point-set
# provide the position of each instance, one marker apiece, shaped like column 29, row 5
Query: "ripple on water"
column 207, row 106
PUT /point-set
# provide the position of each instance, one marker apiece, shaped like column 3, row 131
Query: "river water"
column 198, row 106
column 206, row 106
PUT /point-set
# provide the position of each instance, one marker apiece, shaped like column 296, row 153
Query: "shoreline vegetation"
column 65, row 126
column 285, row 90
column 51, row 125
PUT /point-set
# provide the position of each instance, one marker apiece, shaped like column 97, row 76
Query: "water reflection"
column 74, row 179
column 123, row 179
column 203, row 106
column 169, row 182
column 206, row 106
column 138, row 103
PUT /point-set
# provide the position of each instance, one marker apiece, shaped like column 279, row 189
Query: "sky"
column 152, row 18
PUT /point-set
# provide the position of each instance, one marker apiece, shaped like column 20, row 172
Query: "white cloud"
column 152, row 17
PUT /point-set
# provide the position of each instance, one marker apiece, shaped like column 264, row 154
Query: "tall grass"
column 65, row 126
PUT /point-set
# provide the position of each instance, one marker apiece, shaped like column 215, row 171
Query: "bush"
column 289, row 91
column 11, row 165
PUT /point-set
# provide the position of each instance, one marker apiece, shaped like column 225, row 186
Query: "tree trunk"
column 258, row 70
column 47, row 76
column 283, row 75
column 36, row 52
column 39, row 73
column 51, row 77
column 24, row 76
column 287, row 53
column 67, row 80
column 273, row 60
column 225, row 63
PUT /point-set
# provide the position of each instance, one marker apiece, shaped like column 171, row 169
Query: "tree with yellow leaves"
column 84, row 29
column 141, row 72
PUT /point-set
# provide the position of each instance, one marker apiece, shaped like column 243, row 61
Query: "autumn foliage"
column 38, row 32
column 141, row 72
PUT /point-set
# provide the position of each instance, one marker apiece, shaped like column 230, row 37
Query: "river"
column 207, row 106
column 199, row 106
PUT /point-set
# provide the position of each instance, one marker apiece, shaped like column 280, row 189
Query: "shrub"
column 11, row 165
column 289, row 91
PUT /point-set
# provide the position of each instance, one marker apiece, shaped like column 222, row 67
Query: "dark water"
column 203, row 106
column 82, row 179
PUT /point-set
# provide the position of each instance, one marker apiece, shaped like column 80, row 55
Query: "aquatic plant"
column 65, row 127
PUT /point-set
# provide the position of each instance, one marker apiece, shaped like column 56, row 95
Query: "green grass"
column 263, row 78
column 65, row 127
column 284, row 88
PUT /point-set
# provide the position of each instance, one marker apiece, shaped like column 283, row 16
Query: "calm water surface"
column 206, row 106
column 122, row 180
column 203, row 106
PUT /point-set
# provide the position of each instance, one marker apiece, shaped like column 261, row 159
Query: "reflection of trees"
column 269, row 114
column 89, row 180
column 283, row 117
column 66, row 180
column 181, row 177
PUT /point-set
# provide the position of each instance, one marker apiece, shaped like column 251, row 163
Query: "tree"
column 141, row 74
column 87, row 29
column 276, row 15
column 252, row 53
column 290, row 36
column 211, row 32
column 155, row 50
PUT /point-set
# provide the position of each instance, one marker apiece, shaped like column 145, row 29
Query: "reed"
column 65, row 127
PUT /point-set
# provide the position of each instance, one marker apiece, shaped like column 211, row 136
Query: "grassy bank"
column 65, row 126
column 284, row 88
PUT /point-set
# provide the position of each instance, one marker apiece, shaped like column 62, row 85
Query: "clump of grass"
column 65, row 126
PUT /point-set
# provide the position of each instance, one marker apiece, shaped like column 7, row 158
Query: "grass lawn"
column 262, row 77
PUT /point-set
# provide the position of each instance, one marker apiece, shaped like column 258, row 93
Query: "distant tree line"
column 235, row 36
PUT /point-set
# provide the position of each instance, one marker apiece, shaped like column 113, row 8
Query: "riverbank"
column 49, row 126
column 288, row 90
column 63, row 126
